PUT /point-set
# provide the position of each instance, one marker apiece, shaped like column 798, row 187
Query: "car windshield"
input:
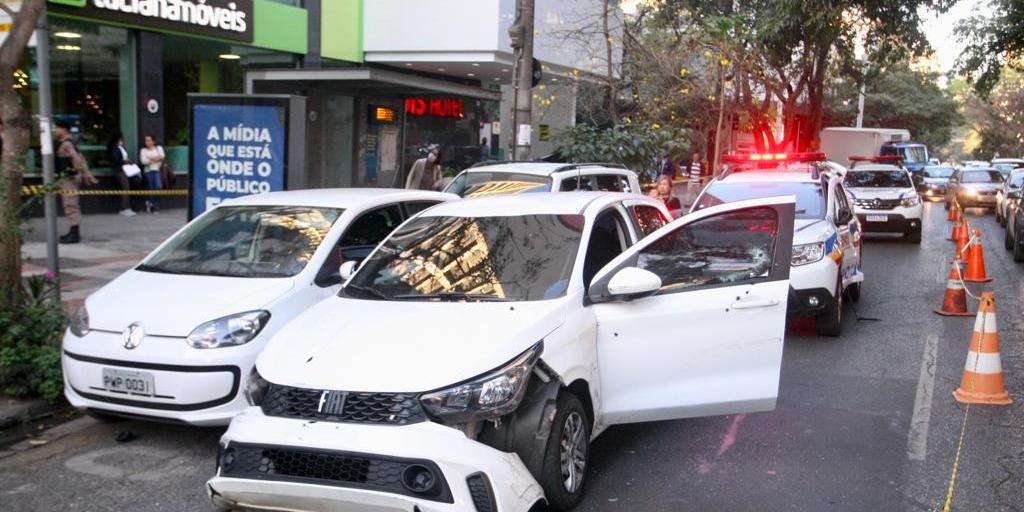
column 1016, row 179
column 909, row 154
column 878, row 179
column 485, row 183
column 246, row 241
column 938, row 172
column 810, row 201
column 515, row 258
column 1005, row 167
column 981, row 177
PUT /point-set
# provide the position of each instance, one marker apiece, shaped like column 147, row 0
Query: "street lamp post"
column 521, row 36
column 46, row 146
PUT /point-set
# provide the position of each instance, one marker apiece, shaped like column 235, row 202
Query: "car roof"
column 1007, row 160
column 977, row 169
column 338, row 197
column 534, row 203
column 544, row 168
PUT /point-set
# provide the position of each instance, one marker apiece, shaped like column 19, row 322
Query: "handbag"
column 166, row 176
column 131, row 170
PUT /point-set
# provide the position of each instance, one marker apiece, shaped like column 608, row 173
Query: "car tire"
column 830, row 322
column 946, row 203
column 1018, row 247
column 853, row 292
column 1007, row 239
column 999, row 217
column 570, row 438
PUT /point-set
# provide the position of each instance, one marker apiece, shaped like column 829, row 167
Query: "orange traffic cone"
column 954, row 234
column 959, row 212
column 982, row 382
column 954, row 302
column 963, row 238
column 976, row 261
column 951, row 215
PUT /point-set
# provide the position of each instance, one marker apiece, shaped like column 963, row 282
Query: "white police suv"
column 884, row 197
column 826, row 259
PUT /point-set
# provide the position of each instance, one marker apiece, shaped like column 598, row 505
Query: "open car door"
column 691, row 319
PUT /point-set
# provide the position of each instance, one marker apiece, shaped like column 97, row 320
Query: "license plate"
column 877, row 218
column 129, row 382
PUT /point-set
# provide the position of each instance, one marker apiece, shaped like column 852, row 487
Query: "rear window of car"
column 485, row 183
column 981, row 177
column 938, row 172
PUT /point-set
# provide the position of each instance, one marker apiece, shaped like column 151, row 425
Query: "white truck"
column 840, row 143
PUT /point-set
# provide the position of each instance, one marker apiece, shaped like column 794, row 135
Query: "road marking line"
column 917, row 437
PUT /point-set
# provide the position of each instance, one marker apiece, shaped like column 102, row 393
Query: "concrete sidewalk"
column 110, row 245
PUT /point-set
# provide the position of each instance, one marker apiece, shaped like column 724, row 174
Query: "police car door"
column 691, row 319
column 848, row 229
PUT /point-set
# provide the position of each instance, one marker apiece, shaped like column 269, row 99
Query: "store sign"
column 237, row 150
column 434, row 107
column 226, row 19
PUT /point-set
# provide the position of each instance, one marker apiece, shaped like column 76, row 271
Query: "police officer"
column 72, row 172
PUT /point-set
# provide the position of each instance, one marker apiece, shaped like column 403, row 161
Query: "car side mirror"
column 347, row 269
column 633, row 283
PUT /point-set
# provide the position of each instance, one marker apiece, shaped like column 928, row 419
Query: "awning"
column 376, row 81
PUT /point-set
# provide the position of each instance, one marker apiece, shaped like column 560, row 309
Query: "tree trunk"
column 16, row 123
column 609, row 46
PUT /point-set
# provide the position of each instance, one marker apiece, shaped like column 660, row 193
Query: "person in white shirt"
column 152, row 157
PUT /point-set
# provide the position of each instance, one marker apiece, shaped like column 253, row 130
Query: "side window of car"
column 729, row 248
column 608, row 239
column 648, row 219
column 359, row 240
column 414, row 207
column 611, row 183
column 583, row 183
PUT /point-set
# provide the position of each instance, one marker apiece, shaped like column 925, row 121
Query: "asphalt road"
column 864, row 422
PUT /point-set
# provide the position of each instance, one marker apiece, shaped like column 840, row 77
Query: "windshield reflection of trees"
column 518, row 257
column 728, row 248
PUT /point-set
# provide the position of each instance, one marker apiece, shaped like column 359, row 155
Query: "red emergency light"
column 742, row 158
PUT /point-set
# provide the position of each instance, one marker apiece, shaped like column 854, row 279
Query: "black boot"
column 72, row 237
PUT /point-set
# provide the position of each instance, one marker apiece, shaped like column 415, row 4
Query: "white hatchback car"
column 175, row 337
column 469, row 361
column 489, row 178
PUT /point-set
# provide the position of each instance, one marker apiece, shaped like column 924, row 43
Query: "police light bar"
column 877, row 159
column 743, row 158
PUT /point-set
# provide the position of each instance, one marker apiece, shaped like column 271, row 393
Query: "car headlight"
column 491, row 395
column 970, row 192
column 255, row 388
column 808, row 253
column 909, row 201
column 79, row 322
column 229, row 331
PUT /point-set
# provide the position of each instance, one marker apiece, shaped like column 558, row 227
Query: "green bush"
column 637, row 146
column 30, row 335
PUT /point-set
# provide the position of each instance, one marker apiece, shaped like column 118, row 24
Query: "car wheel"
column 830, row 322
column 999, row 217
column 1018, row 247
column 566, row 458
column 1007, row 239
column 853, row 292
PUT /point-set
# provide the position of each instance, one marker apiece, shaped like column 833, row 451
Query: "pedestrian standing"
column 668, row 167
column 152, row 157
column 125, row 170
column 73, row 172
column 694, row 171
column 485, row 150
column 663, row 191
column 425, row 172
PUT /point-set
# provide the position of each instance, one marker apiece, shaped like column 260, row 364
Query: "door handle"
column 754, row 303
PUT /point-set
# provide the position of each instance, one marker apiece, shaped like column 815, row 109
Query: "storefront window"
column 451, row 123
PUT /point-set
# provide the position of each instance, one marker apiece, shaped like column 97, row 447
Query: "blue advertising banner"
column 237, row 150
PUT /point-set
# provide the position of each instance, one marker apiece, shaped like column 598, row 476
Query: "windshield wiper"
column 142, row 267
column 373, row 292
column 451, row 297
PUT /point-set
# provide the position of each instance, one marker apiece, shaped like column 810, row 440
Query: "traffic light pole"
column 521, row 34
column 46, row 147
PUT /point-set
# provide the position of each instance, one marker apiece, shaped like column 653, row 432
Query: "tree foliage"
column 898, row 97
column 637, row 146
column 992, row 43
column 998, row 121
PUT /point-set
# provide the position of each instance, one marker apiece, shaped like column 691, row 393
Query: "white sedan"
column 469, row 361
column 176, row 337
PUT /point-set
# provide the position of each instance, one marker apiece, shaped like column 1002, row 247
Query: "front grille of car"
column 344, row 407
column 877, row 204
column 409, row 477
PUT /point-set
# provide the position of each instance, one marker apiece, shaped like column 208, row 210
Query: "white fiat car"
column 885, row 198
column 175, row 337
column 469, row 361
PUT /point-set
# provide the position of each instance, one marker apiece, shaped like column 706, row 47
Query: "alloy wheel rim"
column 573, row 456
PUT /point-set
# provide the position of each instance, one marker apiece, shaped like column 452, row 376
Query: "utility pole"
column 860, row 97
column 46, row 146
column 521, row 36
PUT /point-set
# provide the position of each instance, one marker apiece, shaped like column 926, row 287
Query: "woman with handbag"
column 152, row 158
column 125, row 171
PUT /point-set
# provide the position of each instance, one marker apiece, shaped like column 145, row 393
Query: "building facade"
column 383, row 79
